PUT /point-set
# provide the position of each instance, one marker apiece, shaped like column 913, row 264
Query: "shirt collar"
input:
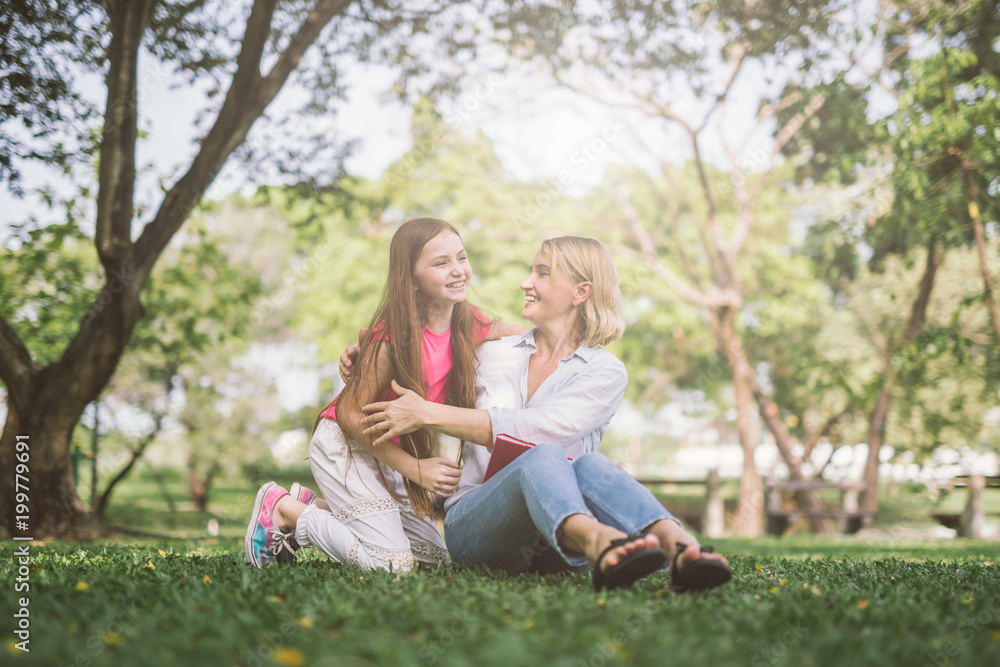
column 527, row 339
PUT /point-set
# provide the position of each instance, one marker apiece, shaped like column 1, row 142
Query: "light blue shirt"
column 571, row 408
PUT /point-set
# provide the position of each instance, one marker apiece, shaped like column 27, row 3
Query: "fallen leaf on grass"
column 289, row 656
column 863, row 604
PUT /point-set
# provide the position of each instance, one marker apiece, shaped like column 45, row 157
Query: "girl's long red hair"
column 398, row 323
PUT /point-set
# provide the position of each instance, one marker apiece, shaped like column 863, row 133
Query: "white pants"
column 365, row 524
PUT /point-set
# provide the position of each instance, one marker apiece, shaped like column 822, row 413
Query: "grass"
column 795, row 600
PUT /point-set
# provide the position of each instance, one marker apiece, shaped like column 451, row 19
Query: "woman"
column 543, row 511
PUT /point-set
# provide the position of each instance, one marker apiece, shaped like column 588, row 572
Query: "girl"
column 423, row 337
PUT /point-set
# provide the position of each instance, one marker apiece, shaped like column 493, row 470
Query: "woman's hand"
column 387, row 419
column 437, row 475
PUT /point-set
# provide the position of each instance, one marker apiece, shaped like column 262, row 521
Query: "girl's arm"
column 500, row 329
column 437, row 475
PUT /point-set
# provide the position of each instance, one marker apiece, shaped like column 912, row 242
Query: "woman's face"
column 547, row 297
column 442, row 271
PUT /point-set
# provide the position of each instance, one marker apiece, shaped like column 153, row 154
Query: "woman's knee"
column 593, row 461
column 542, row 456
column 547, row 451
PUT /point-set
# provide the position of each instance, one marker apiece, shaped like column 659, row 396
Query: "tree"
column 941, row 149
column 642, row 59
column 51, row 47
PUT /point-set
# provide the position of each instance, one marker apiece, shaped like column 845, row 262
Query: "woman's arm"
column 580, row 407
column 387, row 419
column 437, row 475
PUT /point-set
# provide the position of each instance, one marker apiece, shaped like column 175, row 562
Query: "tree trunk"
column 53, row 506
column 136, row 454
column 749, row 519
column 162, row 483
column 984, row 266
column 880, row 411
column 805, row 499
column 44, row 404
column 200, row 487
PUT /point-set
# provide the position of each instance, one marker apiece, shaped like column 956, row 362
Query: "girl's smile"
column 442, row 271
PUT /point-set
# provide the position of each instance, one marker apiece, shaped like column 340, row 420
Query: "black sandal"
column 700, row 575
column 632, row 567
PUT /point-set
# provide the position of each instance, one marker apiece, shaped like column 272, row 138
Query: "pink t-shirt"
column 437, row 362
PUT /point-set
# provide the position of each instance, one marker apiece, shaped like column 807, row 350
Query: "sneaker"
column 305, row 496
column 302, row 494
column 265, row 542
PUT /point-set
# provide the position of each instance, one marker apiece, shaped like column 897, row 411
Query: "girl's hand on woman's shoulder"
column 388, row 419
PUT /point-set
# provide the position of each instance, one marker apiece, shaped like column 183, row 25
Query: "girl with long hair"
column 376, row 507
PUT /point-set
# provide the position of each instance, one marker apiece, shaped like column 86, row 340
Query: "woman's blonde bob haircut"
column 587, row 260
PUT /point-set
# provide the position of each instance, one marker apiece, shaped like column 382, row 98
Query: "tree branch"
column 245, row 102
column 977, row 224
column 116, row 178
column 918, row 312
column 651, row 259
column 692, row 275
column 15, row 363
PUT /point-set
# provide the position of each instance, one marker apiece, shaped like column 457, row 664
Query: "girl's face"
column 442, row 271
column 547, row 297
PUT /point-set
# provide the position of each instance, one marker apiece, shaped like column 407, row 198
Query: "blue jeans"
column 510, row 522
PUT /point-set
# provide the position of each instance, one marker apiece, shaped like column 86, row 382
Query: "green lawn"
column 796, row 600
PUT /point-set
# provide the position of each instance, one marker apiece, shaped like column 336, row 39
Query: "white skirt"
column 365, row 524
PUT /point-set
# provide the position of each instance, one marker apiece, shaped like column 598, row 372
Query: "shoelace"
column 280, row 542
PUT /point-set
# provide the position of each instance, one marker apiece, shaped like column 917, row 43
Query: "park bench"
column 708, row 517
column 780, row 516
column 970, row 522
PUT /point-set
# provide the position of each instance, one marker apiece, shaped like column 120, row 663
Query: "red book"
column 506, row 448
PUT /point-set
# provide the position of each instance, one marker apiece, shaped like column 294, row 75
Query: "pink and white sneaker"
column 301, row 493
column 265, row 542
column 305, row 496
